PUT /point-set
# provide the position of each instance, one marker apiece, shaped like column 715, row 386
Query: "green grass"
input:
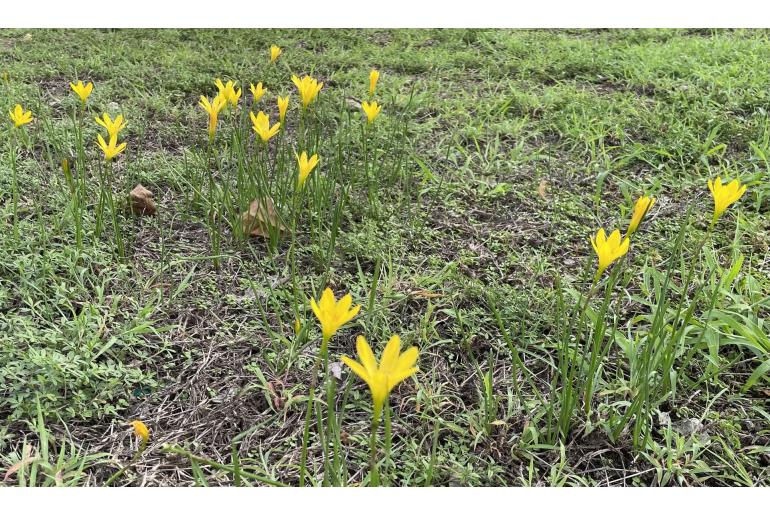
column 467, row 253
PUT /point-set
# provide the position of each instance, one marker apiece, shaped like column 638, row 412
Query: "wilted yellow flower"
column 283, row 105
column 228, row 91
column 19, row 117
column 297, row 326
column 609, row 249
column 724, row 195
column 213, row 108
column 275, row 51
column 308, row 88
column 82, row 90
column 641, row 208
column 305, row 167
column 393, row 368
column 333, row 314
column 372, row 110
column 374, row 75
column 65, row 166
column 261, row 125
column 113, row 126
column 257, row 91
column 111, row 150
column 141, row 431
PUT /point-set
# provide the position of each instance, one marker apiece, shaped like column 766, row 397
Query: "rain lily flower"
column 19, row 116
column 308, row 89
column 609, row 249
column 261, row 125
column 82, row 90
column 305, row 167
column 275, row 51
column 141, row 431
column 372, row 110
column 283, row 105
column 258, row 91
column 113, row 127
column 724, row 195
column 374, row 75
column 641, row 208
column 333, row 314
column 213, row 108
column 111, row 150
column 228, row 91
column 394, row 367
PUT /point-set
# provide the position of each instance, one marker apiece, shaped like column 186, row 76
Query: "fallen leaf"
column 336, row 369
column 260, row 218
column 688, row 426
column 141, row 201
column 276, row 398
column 541, row 189
column 425, row 294
column 353, row 103
column 26, row 460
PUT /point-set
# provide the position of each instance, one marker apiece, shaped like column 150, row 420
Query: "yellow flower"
column 308, row 89
column 297, row 326
column 372, row 110
column 111, row 150
column 228, row 91
column 113, row 127
column 609, row 249
column 283, row 105
column 305, row 167
column 19, row 117
column 333, row 314
column 141, row 431
column 374, row 75
column 213, row 108
column 724, row 195
column 261, row 125
column 393, row 368
column 641, row 208
column 275, row 51
column 82, row 90
column 258, row 91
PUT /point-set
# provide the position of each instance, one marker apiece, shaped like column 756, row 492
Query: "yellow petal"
column 366, row 356
column 356, row 367
column 390, row 354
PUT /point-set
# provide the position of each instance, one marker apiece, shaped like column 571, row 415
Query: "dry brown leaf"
column 541, row 189
column 277, row 402
column 27, row 459
column 141, row 201
column 425, row 294
column 260, row 217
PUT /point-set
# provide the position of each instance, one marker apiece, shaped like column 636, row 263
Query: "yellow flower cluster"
column 610, row 249
column 381, row 377
column 372, row 109
column 113, row 128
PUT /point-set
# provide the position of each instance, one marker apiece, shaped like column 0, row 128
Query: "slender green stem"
column 14, row 182
column 374, row 476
